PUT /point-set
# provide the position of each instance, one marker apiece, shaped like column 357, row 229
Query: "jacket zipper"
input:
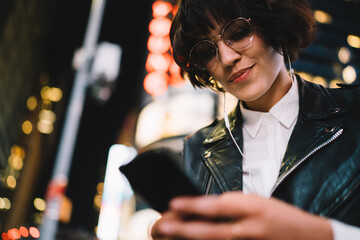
column 282, row 178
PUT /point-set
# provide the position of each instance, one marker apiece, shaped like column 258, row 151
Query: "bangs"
column 201, row 16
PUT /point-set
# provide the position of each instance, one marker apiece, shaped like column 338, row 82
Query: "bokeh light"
column 160, row 27
column 34, row 232
column 344, row 55
column 24, row 231
column 322, row 17
column 158, row 44
column 353, row 41
column 156, row 83
column 158, row 62
column 349, row 74
column 161, row 8
column 27, row 127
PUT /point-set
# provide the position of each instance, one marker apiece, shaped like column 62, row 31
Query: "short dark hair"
column 284, row 24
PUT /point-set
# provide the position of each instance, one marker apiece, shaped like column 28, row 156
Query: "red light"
column 5, row 236
column 160, row 27
column 24, row 232
column 175, row 9
column 174, row 68
column 34, row 232
column 161, row 9
column 158, row 44
column 158, row 62
column 156, row 83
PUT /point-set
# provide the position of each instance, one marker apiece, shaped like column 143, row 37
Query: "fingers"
column 230, row 205
column 207, row 230
column 201, row 230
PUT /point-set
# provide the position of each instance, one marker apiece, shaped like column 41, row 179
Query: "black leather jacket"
column 320, row 172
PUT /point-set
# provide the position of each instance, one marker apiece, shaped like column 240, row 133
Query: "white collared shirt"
column 266, row 135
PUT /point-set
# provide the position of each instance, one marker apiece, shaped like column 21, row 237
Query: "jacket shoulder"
column 347, row 94
column 202, row 133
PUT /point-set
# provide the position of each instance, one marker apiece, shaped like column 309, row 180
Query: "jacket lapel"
column 222, row 156
column 317, row 122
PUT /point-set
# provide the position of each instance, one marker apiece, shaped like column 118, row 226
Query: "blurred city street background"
column 134, row 97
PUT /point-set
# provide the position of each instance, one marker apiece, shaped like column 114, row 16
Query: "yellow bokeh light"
column 333, row 83
column 349, row 74
column 55, row 94
column 18, row 151
column 320, row 80
column 45, row 127
column 45, row 93
column 31, row 103
column 40, row 204
column 97, row 201
column 16, row 162
column 344, row 55
column 27, row 127
column 305, row 76
column 353, row 41
column 322, row 17
column 100, row 188
column 7, row 203
column 2, row 203
column 11, row 181
column 47, row 116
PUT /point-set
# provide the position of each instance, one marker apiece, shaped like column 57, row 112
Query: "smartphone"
column 157, row 177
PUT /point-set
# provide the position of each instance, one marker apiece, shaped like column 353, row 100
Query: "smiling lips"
column 241, row 75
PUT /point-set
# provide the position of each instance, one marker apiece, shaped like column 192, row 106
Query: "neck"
column 277, row 91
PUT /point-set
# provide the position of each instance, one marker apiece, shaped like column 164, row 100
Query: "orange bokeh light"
column 160, row 27
column 34, row 232
column 158, row 44
column 24, row 232
column 5, row 236
column 158, row 62
column 156, row 83
column 161, row 8
column 14, row 234
column 175, row 79
column 174, row 68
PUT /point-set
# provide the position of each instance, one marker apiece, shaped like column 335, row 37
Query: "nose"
column 227, row 55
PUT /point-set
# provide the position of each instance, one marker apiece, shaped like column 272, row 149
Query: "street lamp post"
column 59, row 179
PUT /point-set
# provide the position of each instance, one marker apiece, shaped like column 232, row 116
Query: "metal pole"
column 65, row 151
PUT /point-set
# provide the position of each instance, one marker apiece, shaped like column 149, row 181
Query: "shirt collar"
column 285, row 111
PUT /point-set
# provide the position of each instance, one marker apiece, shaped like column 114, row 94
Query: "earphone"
column 227, row 125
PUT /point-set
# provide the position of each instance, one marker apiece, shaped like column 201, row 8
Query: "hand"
column 252, row 217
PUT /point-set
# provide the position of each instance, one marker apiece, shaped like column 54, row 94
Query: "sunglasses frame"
column 227, row 42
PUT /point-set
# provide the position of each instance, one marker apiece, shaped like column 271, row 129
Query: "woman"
column 285, row 161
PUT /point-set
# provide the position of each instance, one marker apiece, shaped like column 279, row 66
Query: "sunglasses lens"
column 237, row 34
column 204, row 55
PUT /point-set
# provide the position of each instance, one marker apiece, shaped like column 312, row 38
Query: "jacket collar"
column 315, row 104
column 314, row 100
